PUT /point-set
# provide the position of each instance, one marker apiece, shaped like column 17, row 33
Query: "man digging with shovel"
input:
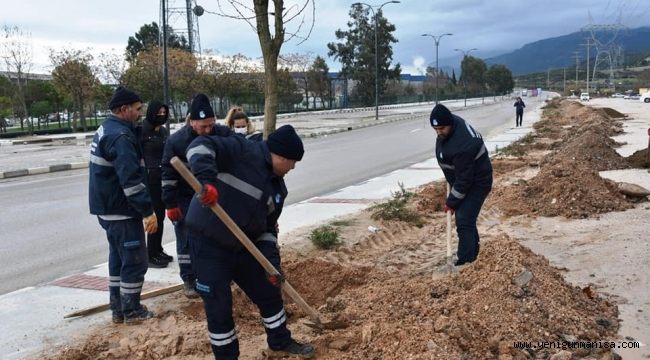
column 464, row 160
column 246, row 179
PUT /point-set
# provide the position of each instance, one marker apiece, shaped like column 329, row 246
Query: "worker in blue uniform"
column 464, row 159
column 120, row 199
column 247, row 179
column 176, row 193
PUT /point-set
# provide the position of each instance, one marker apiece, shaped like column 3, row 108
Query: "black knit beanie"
column 123, row 96
column 285, row 142
column 441, row 116
column 201, row 108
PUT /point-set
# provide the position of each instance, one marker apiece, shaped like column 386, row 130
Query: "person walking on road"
column 177, row 193
column 118, row 196
column 153, row 136
column 247, row 179
column 465, row 162
column 519, row 111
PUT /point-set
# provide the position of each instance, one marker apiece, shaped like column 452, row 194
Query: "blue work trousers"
column 127, row 263
column 183, row 245
column 466, row 215
column 215, row 269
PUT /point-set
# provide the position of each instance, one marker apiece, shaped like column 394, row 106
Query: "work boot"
column 157, row 262
column 305, row 351
column 189, row 289
column 118, row 317
column 137, row 316
column 163, row 255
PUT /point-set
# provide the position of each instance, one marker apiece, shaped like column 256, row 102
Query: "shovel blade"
column 327, row 325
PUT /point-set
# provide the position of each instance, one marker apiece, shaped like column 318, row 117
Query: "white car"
column 618, row 95
column 584, row 97
column 645, row 97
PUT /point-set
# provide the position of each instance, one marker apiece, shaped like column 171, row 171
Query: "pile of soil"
column 568, row 183
column 564, row 189
column 590, row 148
column 640, row 159
column 508, row 295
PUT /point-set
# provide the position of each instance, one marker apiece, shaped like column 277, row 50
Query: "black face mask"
column 159, row 119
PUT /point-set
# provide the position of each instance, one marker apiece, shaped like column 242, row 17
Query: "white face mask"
column 242, row 131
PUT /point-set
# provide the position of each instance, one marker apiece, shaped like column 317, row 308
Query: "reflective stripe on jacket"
column 464, row 160
column 117, row 177
column 249, row 192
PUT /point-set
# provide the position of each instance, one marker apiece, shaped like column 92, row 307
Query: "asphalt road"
column 46, row 231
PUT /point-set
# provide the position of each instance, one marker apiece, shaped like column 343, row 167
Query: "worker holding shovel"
column 246, row 179
column 464, row 160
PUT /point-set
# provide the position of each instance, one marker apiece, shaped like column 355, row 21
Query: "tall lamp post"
column 436, row 39
column 465, row 52
column 374, row 15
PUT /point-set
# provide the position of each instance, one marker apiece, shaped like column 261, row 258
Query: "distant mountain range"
column 558, row 52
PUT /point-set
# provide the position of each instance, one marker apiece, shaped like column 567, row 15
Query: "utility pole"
column 588, row 44
column 436, row 39
column 165, row 64
column 375, row 15
column 577, row 57
column 464, row 76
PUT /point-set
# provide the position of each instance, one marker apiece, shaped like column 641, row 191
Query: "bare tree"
column 272, row 33
column 16, row 51
column 110, row 68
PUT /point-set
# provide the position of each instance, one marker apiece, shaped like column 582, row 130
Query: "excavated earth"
column 391, row 287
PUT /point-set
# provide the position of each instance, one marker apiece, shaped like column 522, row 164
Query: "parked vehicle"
column 645, row 97
column 584, row 97
column 632, row 97
column 618, row 95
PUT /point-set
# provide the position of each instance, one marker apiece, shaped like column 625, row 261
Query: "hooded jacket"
column 153, row 141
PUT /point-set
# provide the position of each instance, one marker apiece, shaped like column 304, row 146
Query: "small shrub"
column 395, row 209
column 342, row 222
column 325, row 237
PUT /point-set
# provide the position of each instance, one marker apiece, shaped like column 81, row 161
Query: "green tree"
column 356, row 52
column 473, row 73
column 149, row 36
column 73, row 75
column 499, row 79
column 288, row 92
column 145, row 77
column 319, row 83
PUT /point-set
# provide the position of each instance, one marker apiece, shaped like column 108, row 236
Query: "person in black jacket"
column 118, row 196
column 177, row 193
column 153, row 136
column 465, row 161
column 519, row 111
column 247, row 179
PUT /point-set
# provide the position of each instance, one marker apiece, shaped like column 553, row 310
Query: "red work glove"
column 275, row 280
column 447, row 208
column 209, row 195
column 175, row 214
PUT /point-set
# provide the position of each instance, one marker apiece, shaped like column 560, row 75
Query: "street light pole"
column 374, row 15
column 436, row 39
column 465, row 52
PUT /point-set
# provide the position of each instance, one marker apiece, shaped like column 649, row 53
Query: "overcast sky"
column 493, row 27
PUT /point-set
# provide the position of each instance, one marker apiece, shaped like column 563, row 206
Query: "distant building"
column 28, row 76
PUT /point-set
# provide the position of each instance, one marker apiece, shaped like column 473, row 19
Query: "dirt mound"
column 478, row 313
column 432, row 197
column 564, row 189
column 592, row 148
column 640, row 159
column 612, row 113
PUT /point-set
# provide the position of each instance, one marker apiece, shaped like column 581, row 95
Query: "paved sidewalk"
column 26, row 156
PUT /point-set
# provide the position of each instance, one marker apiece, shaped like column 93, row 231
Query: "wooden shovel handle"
column 248, row 244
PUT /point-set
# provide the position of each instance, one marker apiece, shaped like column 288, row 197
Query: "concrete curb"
column 42, row 170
